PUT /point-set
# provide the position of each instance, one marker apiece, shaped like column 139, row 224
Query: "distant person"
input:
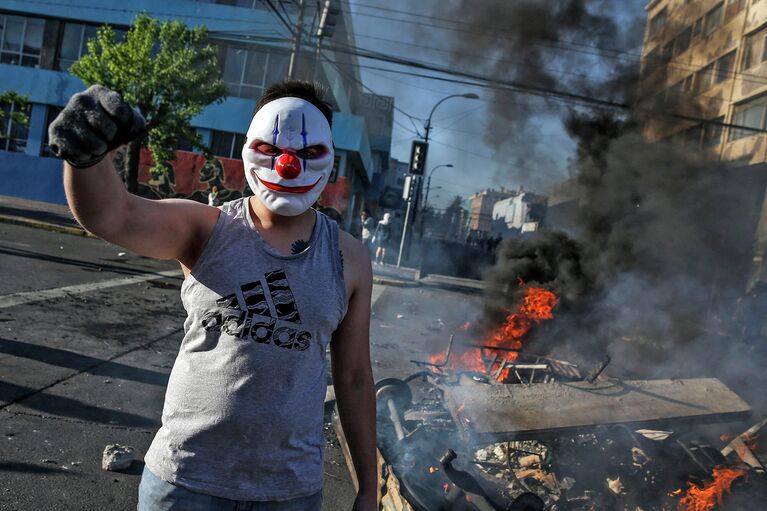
column 381, row 237
column 366, row 234
column 213, row 199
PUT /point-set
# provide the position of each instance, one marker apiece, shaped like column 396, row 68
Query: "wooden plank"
column 383, row 468
column 531, row 411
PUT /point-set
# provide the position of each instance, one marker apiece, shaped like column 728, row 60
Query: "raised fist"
column 93, row 123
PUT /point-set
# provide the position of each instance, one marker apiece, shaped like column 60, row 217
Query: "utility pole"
column 296, row 41
column 411, row 184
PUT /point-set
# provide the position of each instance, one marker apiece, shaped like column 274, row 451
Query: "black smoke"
column 665, row 233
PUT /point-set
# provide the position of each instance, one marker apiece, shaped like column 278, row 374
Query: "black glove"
column 93, row 123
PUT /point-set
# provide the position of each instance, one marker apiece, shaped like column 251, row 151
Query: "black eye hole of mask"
column 309, row 153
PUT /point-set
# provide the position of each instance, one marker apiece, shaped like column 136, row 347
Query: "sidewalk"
column 58, row 218
column 54, row 217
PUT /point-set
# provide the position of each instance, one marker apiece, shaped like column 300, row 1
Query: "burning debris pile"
column 487, row 426
column 498, row 355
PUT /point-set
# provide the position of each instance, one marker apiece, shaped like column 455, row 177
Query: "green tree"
column 165, row 69
column 17, row 106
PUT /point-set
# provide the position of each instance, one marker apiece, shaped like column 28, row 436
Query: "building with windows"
column 40, row 40
column 702, row 59
column 707, row 60
column 521, row 212
column 481, row 208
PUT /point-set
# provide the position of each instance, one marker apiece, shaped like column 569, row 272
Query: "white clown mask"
column 288, row 155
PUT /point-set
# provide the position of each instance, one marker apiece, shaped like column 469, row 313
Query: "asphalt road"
column 85, row 363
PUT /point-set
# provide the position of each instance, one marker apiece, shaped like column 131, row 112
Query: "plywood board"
column 534, row 411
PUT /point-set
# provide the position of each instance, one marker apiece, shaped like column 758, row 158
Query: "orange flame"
column 750, row 441
column 433, row 470
column 706, row 497
column 536, row 306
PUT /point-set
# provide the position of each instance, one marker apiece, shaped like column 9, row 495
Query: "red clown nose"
column 288, row 166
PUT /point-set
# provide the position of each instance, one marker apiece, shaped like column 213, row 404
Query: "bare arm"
column 353, row 376
column 94, row 122
column 164, row 229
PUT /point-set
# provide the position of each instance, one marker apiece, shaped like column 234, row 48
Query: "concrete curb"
column 393, row 282
column 78, row 231
column 449, row 286
column 39, row 224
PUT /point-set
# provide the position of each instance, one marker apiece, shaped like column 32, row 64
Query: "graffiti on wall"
column 191, row 176
column 336, row 195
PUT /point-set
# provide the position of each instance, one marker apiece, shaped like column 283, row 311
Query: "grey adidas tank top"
column 244, row 406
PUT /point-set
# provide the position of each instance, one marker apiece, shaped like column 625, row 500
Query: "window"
column 688, row 81
column 247, row 72
column 713, row 19
column 682, row 41
column 724, row 67
column 184, row 144
column 227, row 144
column 704, row 78
column 733, row 7
column 13, row 135
column 658, row 22
column 22, row 40
column 697, row 28
column 74, row 43
column 74, row 40
column 652, row 59
column 50, row 115
column 667, row 52
column 756, row 50
column 675, row 91
column 692, row 136
column 749, row 114
column 712, row 133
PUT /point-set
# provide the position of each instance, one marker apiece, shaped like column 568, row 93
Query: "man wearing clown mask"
column 268, row 284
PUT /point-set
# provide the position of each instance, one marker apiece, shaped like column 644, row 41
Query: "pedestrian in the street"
column 366, row 234
column 213, row 199
column 381, row 237
column 268, row 283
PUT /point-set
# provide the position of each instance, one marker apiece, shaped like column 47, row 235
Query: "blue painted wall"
column 38, row 178
column 31, row 177
column 215, row 17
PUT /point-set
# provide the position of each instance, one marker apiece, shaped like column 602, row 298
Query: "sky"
column 458, row 125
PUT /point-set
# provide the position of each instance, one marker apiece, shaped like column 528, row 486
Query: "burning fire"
column 750, row 441
column 536, row 306
column 706, row 497
column 433, row 470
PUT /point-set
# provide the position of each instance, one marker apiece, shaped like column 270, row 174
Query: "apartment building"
column 481, row 208
column 707, row 59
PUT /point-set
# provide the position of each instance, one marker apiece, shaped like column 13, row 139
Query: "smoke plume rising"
column 665, row 235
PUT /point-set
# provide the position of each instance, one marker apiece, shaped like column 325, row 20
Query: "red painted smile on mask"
column 287, row 189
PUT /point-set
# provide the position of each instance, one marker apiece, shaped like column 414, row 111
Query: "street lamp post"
column 427, row 126
column 428, row 183
column 427, row 129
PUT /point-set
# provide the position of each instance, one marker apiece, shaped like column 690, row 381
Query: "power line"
column 516, row 86
column 630, row 57
column 354, row 78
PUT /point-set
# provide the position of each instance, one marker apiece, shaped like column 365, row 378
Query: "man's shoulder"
column 350, row 244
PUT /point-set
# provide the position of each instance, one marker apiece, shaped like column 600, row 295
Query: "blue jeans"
column 154, row 494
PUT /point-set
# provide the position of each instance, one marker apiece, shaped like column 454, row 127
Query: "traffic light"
column 328, row 19
column 418, row 157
